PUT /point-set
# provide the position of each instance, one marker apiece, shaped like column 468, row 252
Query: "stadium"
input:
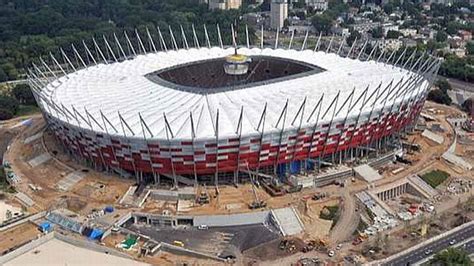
column 214, row 114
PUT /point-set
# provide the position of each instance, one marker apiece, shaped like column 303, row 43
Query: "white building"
column 278, row 13
column 389, row 27
column 224, row 4
column 318, row 4
column 390, row 44
column 408, row 32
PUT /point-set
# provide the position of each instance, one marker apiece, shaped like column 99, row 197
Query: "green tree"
column 354, row 35
column 468, row 106
column 322, row 23
column 9, row 103
column 443, row 85
column 470, row 48
column 23, row 94
column 3, row 75
column 393, row 34
column 438, row 96
column 377, row 33
column 441, row 36
column 5, row 115
column 451, row 256
column 388, row 8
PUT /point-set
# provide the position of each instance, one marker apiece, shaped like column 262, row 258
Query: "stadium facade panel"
column 113, row 115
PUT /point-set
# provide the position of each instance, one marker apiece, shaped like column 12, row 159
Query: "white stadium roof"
column 122, row 87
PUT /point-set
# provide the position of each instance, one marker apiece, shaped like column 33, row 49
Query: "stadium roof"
column 121, row 91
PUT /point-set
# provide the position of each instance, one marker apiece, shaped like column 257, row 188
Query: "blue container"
column 281, row 170
column 45, row 227
column 295, row 167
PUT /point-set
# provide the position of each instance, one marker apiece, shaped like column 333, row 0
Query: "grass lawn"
column 27, row 110
column 435, row 177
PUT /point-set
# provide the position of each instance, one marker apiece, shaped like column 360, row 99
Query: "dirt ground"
column 18, row 236
column 94, row 191
column 315, row 227
column 97, row 189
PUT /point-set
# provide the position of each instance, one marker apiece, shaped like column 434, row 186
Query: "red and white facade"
column 109, row 114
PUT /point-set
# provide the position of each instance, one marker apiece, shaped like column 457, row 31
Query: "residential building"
column 278, row 13
column 340, row 31
column 409, row 42
column 455, row 41
column 224, row 4
column 408, row 32
column 465, row 35
column 390, row 44
column 428, row 32
column 389, row 27
column 365, row 26
column 321, row 5
column 459, row 52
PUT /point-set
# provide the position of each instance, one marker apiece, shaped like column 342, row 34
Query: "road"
column 348, row 220
column 14, row 82
column 460, row 85
column 421, row 253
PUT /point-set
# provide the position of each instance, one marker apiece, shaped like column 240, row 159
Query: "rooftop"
column 124, row 88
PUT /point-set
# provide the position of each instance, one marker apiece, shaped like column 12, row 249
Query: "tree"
column 388, row 8
column 443, row 85
column 9, row 103
column 468, row 106
column 441, row 36
column 439, row 96
column 393, row 34
column 354, row 35
column 5, row 114
column 23, row 94
column 377, row 33
column 451, row 256
column 322, row 23
column 470, row 48
column 3, row 75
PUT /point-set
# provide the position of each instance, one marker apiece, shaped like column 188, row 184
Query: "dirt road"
column 348, row 218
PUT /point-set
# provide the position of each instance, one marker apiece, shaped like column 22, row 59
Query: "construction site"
column 339, row 214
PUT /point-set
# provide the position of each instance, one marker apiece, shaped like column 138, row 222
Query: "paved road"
column 436, row 246
column 460, row 85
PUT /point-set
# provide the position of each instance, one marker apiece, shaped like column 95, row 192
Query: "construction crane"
column 257, row 203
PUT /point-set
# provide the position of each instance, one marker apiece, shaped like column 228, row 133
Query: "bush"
column 9, row 103
column 5, row 114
